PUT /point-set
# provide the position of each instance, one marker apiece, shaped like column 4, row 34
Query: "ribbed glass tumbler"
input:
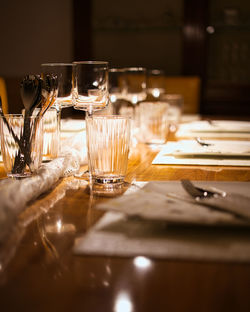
column 108, row 140
column 21, row 144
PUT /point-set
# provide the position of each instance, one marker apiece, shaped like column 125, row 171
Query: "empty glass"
column 153, row 122
column 51, row 134
column 108, row 140
column 175, row 102
column 155, row 83
column 64, row 73
column 117, row 88
column 91, row 85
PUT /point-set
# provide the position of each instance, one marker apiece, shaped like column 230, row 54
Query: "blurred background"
column 205, row 38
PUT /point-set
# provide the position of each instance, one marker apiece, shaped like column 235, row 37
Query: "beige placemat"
column 117, row 235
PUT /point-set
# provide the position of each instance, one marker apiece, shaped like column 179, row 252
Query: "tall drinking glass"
column 64, row 73
column 108, row 139
column 91, row 86
column 90, row 90
column 64, row 97
column 136, row 92
column 155, row 84
column 117, row 89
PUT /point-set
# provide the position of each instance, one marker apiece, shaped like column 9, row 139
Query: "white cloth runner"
column 219, row 153
column 215, row 129
column 117, row 235
column 15, row 194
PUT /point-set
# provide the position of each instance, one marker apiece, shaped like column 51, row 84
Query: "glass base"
column 19, row 175
column 82, row 175
column 109, row 189
column 108, row 181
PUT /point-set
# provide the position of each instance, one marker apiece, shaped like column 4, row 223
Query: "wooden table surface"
column 40, row 273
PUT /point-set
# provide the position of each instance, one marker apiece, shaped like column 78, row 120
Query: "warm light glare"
column 142, row 262
column 123, row 303
column 210, row 29
column 134, row 99
column 156, row 92
column 112, row 98
column 59, row 225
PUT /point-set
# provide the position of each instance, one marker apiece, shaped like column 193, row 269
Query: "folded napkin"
column 158, row 222
column 218, row 153
column 214, row 129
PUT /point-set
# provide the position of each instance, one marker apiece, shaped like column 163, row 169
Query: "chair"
column 189, row 87
column 3, row 94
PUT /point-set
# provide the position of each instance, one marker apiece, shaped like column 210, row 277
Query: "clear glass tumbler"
column 51, row 134
column 108, row 141
column 153, row 122
column 175, row 102
column 21, row 144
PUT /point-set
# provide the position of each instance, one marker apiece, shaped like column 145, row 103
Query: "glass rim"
column 91, row 63
column 18, row 116
column 57, row 64
column 116, row 70
column 109, row 117
column 135, row 69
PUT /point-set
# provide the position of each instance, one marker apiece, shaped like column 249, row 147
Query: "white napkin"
column 214, row 129
column 73, row 135
column 153, row 233
column 219, row 153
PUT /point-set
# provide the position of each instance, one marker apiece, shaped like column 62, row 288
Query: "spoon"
column 48, row 92
column 30, row 91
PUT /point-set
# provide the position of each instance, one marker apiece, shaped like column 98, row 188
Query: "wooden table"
column 40, row 272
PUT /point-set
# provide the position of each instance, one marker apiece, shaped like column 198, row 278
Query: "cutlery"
column 235, row 203
column 48, row 93
column 198, row 192
column 202, row 143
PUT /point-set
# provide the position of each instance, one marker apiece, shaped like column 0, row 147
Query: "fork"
column 202, row 143
column 200, row 193
column 234, row 203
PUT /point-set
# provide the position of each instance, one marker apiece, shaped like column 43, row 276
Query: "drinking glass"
column 136, row 91
column 64, row 73
column 155, row 83
column 117, row 89
column 91, row 86
column 90, row 91
column 21, row 144
column 175, row 102
column 51, row 133
column 108, row 140
column 153, row 122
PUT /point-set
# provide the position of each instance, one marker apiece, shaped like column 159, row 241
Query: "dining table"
column 40, row 271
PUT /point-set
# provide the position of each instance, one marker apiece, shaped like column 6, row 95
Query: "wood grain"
column 40, row 273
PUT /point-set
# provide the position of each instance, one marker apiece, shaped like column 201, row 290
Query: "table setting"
column 105, row 143
column 205, row 152
column 215, row 129
column 160, row 220
column 107, row 208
